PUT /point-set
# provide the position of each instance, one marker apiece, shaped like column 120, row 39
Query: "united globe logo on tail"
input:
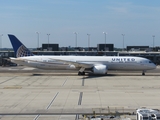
column 23, row 51
column 19, row 49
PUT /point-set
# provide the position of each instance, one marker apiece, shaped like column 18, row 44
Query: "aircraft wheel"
column 79, row 73
column 83, row 73
column 143, row 73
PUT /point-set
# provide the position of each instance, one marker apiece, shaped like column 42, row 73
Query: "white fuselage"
column 112, row 62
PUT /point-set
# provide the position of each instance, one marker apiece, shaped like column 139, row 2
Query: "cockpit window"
column 150, row 61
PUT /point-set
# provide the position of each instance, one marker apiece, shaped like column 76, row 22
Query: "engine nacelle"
column 100, row 69
column 71, row 67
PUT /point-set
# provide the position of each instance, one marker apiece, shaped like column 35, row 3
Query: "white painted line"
column 29, row 68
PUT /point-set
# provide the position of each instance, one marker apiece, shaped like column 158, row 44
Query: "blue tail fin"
column 19, row 49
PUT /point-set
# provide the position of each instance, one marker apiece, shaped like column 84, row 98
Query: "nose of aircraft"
column 153, row 66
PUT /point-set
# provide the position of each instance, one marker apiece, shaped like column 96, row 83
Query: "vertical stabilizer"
column 19, row 49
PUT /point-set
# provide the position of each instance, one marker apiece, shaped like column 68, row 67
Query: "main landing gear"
column 81, row 73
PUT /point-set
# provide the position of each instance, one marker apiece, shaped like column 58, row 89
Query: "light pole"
column 153, row 40
column 105, row 33
column 37, row 39
column 123, row 41
column 75, row 39
column 88, row 41
column 48, row 41
column 1, row 40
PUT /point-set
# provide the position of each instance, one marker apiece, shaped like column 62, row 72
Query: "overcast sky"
column 139, row 20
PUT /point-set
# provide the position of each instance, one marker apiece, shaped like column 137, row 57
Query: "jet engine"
column 100, row 69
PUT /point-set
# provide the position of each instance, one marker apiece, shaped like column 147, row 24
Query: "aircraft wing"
column 75, row 63
column 16, row 59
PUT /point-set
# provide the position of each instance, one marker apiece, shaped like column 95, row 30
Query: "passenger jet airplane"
column 83, row 64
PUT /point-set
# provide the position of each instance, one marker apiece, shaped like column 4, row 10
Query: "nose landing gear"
column 143, row 72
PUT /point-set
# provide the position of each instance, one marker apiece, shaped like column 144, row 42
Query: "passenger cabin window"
column 145, row 118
